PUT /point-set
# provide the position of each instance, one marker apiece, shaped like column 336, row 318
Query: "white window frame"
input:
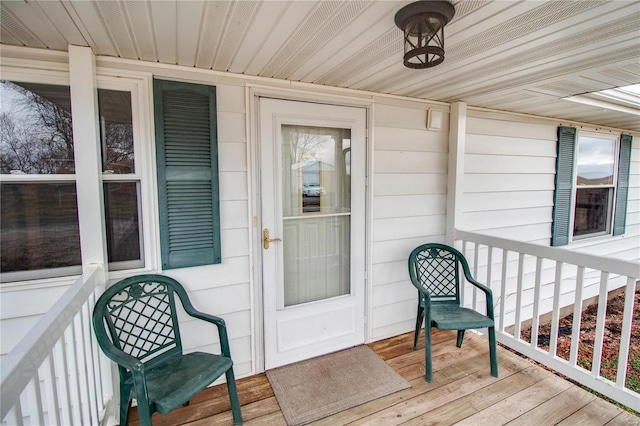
column 140, row 87
column 143, row 153
column 614, row 186
column 53, row 78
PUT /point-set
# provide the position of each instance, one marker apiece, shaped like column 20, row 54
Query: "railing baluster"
column 63, row 380
column 86, row 348
column 503, row 288
column 536, row 304
column 577, row 318
column 51, row 391
column 517, row 325
column 81, row 363
column 600, row 323
column 555, row 315
column 73, row 371
column 14, row 417
column 625, row 334
column 97, row 362
column 35, row 402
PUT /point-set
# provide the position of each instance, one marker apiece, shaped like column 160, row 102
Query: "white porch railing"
column 529, row 281
column 56, row 374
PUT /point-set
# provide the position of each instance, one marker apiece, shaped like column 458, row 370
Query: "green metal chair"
column 435, row 271
column 136, row 326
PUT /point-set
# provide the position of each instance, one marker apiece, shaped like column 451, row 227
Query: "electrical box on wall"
column 434, row 119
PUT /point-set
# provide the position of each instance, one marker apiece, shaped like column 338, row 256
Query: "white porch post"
column 89, row 187
column 455, row 174
column 88, row 163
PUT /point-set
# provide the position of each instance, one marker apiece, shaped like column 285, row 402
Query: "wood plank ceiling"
column 520, row 56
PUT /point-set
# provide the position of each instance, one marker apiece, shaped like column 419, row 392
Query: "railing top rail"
column 601, row 263
column 21, row 364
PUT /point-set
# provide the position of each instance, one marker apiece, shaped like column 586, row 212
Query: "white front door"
column 312, row 159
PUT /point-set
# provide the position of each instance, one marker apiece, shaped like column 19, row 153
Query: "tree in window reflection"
column 35, row 132
column 302, row 144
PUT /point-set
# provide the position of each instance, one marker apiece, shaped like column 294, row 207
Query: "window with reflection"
column 595, row 170
column 316, row 188
column 39, row 214
column 35, row 129
column 39, row 230
column 121, row 183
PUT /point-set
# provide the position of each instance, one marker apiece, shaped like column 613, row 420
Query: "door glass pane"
column 316, row 200
column 316, row 259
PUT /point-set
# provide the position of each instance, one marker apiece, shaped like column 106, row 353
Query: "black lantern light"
column 423, row 25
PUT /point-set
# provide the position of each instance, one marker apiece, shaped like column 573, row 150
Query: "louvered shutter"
column 564, row 186
column 187, row 160
column 622, row 188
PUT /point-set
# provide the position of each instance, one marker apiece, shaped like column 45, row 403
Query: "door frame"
column 253, row 94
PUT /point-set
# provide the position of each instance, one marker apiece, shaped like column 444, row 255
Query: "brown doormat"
column 319, row 387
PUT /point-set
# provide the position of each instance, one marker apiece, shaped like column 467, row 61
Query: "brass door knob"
column 266, row 240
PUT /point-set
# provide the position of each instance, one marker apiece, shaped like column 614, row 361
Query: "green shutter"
column 560, row 230
column 187, row 160
column 622, row 188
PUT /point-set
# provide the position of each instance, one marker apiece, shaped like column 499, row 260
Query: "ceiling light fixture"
column 423, row 24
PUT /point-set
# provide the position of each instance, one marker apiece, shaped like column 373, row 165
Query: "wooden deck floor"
column 463, row 392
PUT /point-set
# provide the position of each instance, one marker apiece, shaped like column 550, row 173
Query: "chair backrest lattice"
column 437, row 271
column 142, row 319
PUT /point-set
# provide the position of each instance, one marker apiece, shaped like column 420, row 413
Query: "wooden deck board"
column 519, row 403
column 462, row 392
column 597, row 410
column 556, row 409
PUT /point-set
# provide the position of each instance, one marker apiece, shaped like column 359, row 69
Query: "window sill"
column 36, row 284
column 589, row 241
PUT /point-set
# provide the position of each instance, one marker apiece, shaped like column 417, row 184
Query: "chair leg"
column 144, row 413
column 493, row 353
column 233, row 397
column 460, row 337
column 419, row 321
column 125, row 404
column 427, row 354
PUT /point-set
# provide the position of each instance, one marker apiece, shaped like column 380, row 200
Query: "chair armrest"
column 217, row 321
column 121, row 358
column 205, row 317
column 487, row 291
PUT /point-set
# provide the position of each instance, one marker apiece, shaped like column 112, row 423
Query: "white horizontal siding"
column 505, row 200
column 509, row 218
column 21, row 306
column 394, row 206
column 408, row 208
column 389, row 272
column 509, row 176
column 509, row 182
column 508, row 126
column 409, row 184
